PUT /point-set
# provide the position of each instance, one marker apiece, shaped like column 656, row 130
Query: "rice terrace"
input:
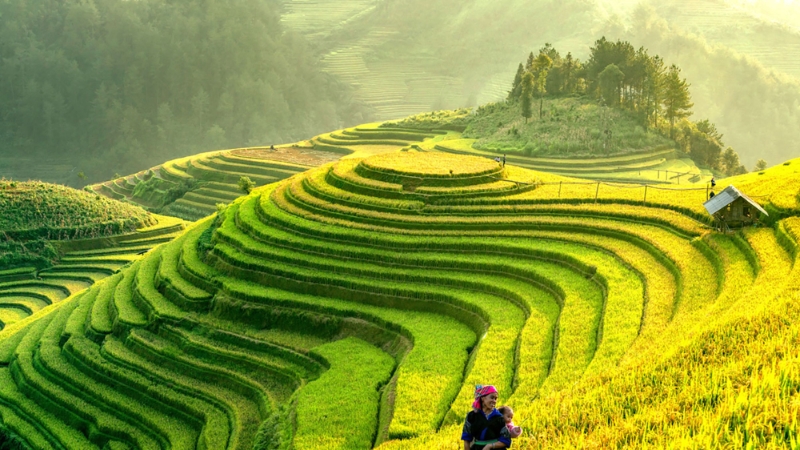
column 581, row 263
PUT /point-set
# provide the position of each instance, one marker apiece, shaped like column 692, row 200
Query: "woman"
column 485, row 428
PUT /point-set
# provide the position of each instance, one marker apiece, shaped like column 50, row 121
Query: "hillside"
column 328, row 64
column 342, row 308
column 57, row 241
column 90, row 89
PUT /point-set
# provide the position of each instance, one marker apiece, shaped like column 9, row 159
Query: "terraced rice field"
column 396, row 90
column 24, row 292
column 656, row 166
column 214, row 176
column 357, row 304
column 374, row 138
column 315, row 18
column 208, row 179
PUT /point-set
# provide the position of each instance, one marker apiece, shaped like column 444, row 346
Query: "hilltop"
column 36, row 210
column 572, row 127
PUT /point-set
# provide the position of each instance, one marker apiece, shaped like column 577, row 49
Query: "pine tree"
column 677, row 100
column 653, row 87
column 541, row 66
column 529, row 64
column 610, row 82
column 516, row 88
column 527, row 93
column 569, row 66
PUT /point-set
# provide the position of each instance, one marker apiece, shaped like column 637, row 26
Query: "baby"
column 508, row 416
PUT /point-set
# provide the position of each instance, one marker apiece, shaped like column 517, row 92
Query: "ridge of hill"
column 356, row 305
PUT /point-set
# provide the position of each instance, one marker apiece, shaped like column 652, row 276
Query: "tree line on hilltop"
column 118, row 86
column 619, row 76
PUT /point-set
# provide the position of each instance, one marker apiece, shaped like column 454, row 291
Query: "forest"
column 619, row 76
column 117, row 86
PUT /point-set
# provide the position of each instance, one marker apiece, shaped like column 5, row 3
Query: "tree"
column 605, row 52
column 527, row 93
column 246, row 185
column 529, row 63
column 610, row 82
column 677, row 100
column 569, row 66
column 710, row 129
column 516, row 88
column 730, row 162
column 704, row 150
column 141, row 82
column 653, row 89
column 540, row 67
column 551, row 52
column 760, row 165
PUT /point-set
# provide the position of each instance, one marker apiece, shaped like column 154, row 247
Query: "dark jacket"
column 481, row 427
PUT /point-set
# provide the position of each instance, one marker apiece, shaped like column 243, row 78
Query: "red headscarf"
column 482, row 391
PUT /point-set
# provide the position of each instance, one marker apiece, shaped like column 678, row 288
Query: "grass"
column 188, row 395
column 82, row 263
column 570, row 126
column 420, row 259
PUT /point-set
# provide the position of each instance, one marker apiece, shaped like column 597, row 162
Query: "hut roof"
column 726, row 197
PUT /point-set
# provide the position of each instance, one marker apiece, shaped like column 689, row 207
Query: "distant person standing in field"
column 485, row 428
column 504, row 159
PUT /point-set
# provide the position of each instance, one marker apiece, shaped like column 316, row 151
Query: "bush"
column 246, row 185
column 39, row 253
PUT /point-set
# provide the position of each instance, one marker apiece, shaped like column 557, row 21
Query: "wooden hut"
column 732, row 209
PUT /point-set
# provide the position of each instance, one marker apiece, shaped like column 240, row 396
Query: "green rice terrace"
column 357, row 304
column 58, row 241
column 191, row 187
